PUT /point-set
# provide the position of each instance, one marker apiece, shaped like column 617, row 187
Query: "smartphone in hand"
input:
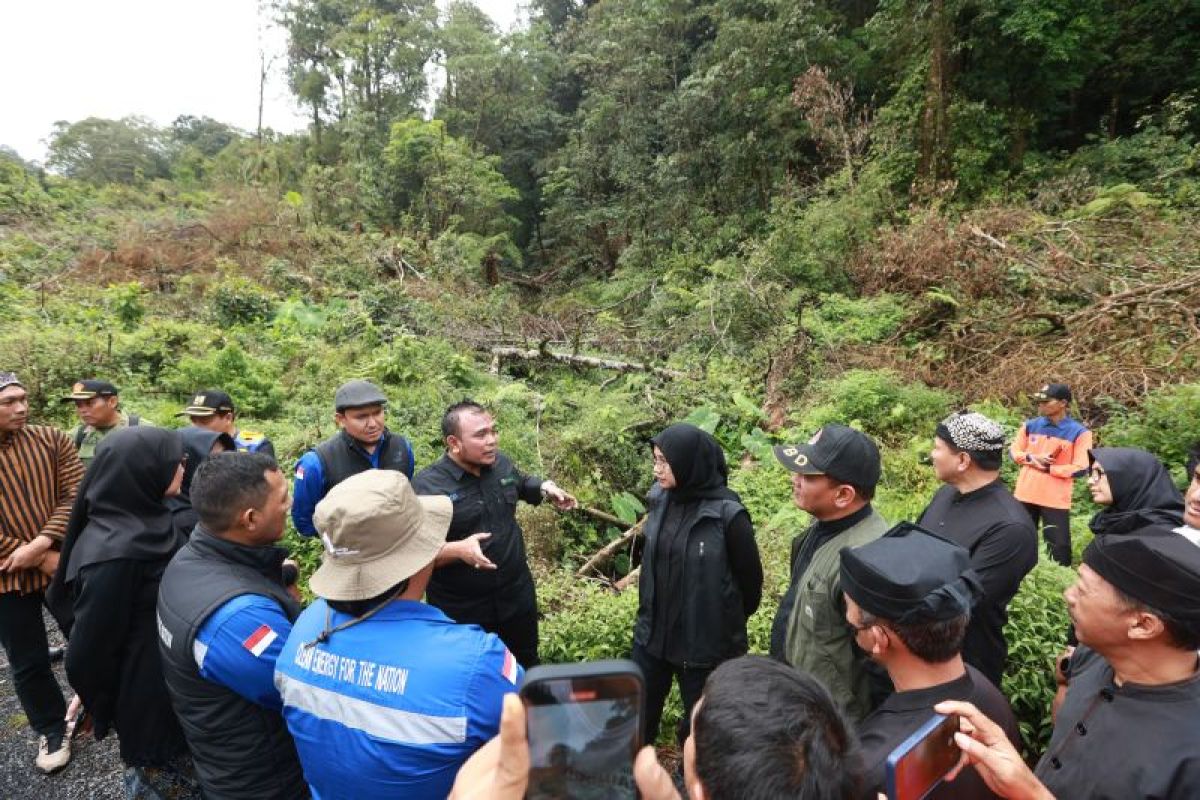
column 922, row 760
column 585, row 723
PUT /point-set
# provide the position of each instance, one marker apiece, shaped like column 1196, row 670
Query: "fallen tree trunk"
column 596, row 362
column 611, row 549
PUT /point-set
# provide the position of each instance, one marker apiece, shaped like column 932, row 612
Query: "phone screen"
column 919, row 764
column 583, row 737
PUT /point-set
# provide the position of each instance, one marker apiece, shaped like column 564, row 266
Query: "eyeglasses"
column 1095, row 474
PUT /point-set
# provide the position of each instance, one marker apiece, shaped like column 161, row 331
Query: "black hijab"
column 197, row 446
column 697, row 461
column 120, row 511
column 1142, row 491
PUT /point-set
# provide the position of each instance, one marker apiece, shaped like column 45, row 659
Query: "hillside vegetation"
column 768, row 214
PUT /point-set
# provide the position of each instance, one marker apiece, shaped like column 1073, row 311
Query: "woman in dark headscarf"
column 701, row 573
column 119, row 539
column 1135, row 489
column 198, row 445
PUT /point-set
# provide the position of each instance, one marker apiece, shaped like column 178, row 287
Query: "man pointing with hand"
column 481, row 575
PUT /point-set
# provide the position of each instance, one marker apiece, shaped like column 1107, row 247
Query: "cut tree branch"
column 611, row 549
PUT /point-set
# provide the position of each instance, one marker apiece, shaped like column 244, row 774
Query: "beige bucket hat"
column 376, row 533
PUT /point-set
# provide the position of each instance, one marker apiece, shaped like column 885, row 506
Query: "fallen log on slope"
column 596, row 362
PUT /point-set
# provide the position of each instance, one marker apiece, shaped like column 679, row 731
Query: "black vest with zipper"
column 341, row 457
column 241, row 750
column 714, row 621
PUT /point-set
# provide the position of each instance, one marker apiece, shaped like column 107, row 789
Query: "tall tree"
column 99, row 151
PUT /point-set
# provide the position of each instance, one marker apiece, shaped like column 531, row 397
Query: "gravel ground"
column 95, row 769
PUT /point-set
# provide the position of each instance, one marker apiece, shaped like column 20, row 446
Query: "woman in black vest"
column 119, row 539
column 701, row 573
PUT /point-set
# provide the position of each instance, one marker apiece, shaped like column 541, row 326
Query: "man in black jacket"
column 976, row 510
column 223, row 616
column 481, row 575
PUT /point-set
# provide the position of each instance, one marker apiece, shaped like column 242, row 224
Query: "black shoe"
column 56, row 653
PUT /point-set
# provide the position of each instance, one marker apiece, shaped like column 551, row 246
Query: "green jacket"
column 86, row 438
column 819, row 640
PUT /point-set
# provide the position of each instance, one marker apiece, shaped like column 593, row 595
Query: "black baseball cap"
column 1053, row 391
column 838, row 451
column 86, row 390
column 208, row 402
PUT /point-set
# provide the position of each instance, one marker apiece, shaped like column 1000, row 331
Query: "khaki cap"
column 377, row 532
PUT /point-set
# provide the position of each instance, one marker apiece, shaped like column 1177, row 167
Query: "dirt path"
column 95, row 769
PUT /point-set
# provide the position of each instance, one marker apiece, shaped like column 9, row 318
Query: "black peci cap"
column 1154, row 565
column 910, row 575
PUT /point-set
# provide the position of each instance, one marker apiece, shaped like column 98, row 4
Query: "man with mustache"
column 481, row 575
column 364, row 442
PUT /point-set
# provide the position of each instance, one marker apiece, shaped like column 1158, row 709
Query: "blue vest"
column 393, row 705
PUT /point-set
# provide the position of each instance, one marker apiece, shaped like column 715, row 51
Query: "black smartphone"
column 585, row 729
column 922, row 760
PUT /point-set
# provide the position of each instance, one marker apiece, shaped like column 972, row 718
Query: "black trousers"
column 23, row 635
column 520, row 635
column 658, row 674
column 1056, row 530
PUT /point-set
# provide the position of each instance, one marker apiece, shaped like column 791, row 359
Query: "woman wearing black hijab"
column 701, row 573
column 1135, row 489
column 119, row 539
column 198, row 445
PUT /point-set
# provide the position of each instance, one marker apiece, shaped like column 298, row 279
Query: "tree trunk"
column 934, row 165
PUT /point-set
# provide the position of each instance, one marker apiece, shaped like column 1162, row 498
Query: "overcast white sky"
column 71, row 59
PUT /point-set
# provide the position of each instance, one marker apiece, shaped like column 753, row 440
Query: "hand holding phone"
column 922, row 760
column 584, row 723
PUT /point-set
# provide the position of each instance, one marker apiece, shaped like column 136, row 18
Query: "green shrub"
column 879, row 402
column 1166, row 424
column 252, row 382
column 238, row 301
column 1037, row 634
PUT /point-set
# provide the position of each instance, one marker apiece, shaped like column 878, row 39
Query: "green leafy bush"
column 1166, row 424
column 239, row 301
column 253, row 383
column 1036, row 634
column 878, row 401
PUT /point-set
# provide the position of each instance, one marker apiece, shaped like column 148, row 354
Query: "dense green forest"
column 759, row 215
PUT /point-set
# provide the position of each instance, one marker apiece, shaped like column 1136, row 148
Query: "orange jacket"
column 1067, row 443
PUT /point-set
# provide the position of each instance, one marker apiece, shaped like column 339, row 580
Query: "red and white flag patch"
column 258, row 642
column 299, row 472
column 509, row 670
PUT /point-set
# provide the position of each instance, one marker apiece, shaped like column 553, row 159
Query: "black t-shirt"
column 903, row 712
column 1116, row 742
column 1004, row 548
column 485, row 503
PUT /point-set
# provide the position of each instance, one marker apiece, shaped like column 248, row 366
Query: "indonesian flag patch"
column 258, row 642
column 509, row 670
column 299, row 472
